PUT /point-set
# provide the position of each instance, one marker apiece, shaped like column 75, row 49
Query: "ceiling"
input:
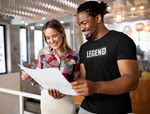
column 32, row 11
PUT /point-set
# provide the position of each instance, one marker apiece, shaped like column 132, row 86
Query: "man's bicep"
column 82, row 71
column 129, row 67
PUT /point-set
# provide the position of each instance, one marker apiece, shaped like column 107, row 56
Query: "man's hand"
column 55, row 93
column 84, row 87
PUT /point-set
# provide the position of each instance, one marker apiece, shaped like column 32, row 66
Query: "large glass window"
column 84, row 38
column 23, row 45
column 2, row 51
column 68, row 36
column 38, row 42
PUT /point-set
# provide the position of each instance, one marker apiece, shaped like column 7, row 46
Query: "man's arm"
column 82, row 71
column 127, row 82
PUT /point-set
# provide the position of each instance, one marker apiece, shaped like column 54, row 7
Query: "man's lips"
column 86, row 33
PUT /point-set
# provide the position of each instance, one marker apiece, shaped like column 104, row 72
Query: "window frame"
column 27, row 54
column 5, row 48
column 42, row 40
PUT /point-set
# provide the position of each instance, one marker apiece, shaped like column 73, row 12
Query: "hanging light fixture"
column 133, row 8
column 26, row 24
column 139, row 27
column 127, row 30
column 41, row 24
column 108, row 7
column 61, row 22
column 141, row 7
column 32, row 27
column 147, row 28
column 118, row 17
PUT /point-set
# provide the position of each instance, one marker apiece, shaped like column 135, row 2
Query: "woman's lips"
column 54, row 44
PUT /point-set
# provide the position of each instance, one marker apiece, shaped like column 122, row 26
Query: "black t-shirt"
column 100, row 60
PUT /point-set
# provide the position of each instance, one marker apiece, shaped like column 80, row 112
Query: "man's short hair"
column 93, row 8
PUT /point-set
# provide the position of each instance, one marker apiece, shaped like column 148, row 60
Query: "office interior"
column 21, row 38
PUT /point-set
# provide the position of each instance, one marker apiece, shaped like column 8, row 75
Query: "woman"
column 59, row 55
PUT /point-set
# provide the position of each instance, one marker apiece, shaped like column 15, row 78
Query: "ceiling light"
column 61, row 22
column 118, row 17
column 26, row 24
column 133, row 8
column 43, row 18
column 32, row 27
column 147, row 28
column 22, row 21
column 127, row 30
column 142, row 7
column 41, row 24
column 108, row 7
column 72, row 31
column 139, row 27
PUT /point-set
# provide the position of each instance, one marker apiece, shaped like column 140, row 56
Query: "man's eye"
column 84, row 23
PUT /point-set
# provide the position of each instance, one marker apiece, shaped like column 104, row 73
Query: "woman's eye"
column 55, row 36
column 47, row 38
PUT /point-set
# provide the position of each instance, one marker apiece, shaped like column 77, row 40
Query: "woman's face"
column 54, row 38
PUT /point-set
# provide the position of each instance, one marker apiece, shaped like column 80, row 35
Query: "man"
column 108, row 66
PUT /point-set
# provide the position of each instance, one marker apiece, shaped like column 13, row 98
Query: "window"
column 2, row 50
column 23, row 45
column 38, row 42
column 84, row 38
column 68, row 36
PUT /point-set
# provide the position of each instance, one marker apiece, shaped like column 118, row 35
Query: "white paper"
column 50, row 78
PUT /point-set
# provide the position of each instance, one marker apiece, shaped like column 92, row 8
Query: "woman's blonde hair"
column 54, row 24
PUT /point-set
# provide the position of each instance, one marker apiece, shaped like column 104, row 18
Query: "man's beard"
column 89, row 38
column 92, row 35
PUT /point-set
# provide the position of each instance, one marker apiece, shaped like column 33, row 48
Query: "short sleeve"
column 126, row 48
column 80, row 54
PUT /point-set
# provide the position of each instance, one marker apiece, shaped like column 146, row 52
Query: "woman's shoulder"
column 45, row 50
column 74, row 54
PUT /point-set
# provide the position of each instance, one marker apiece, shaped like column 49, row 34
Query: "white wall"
column 9, row 104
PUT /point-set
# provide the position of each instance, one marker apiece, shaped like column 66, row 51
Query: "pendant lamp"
column 139, row 26
column 147, row 28
column 127, row 30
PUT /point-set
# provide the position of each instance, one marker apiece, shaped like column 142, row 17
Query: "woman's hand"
column 55, row 93
column 25, row 76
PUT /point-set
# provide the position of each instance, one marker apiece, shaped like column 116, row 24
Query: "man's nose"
column 82, row 27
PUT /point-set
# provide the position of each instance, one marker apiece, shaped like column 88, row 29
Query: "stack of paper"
column 51, row 78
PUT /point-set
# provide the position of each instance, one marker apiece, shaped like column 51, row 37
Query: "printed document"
column 50, row 78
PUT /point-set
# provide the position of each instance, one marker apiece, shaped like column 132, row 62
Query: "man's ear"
column 98, row 18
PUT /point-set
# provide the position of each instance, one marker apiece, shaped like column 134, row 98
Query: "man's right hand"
column 25, row 76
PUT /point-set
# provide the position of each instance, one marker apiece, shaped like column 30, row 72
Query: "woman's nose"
column 51, row 40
